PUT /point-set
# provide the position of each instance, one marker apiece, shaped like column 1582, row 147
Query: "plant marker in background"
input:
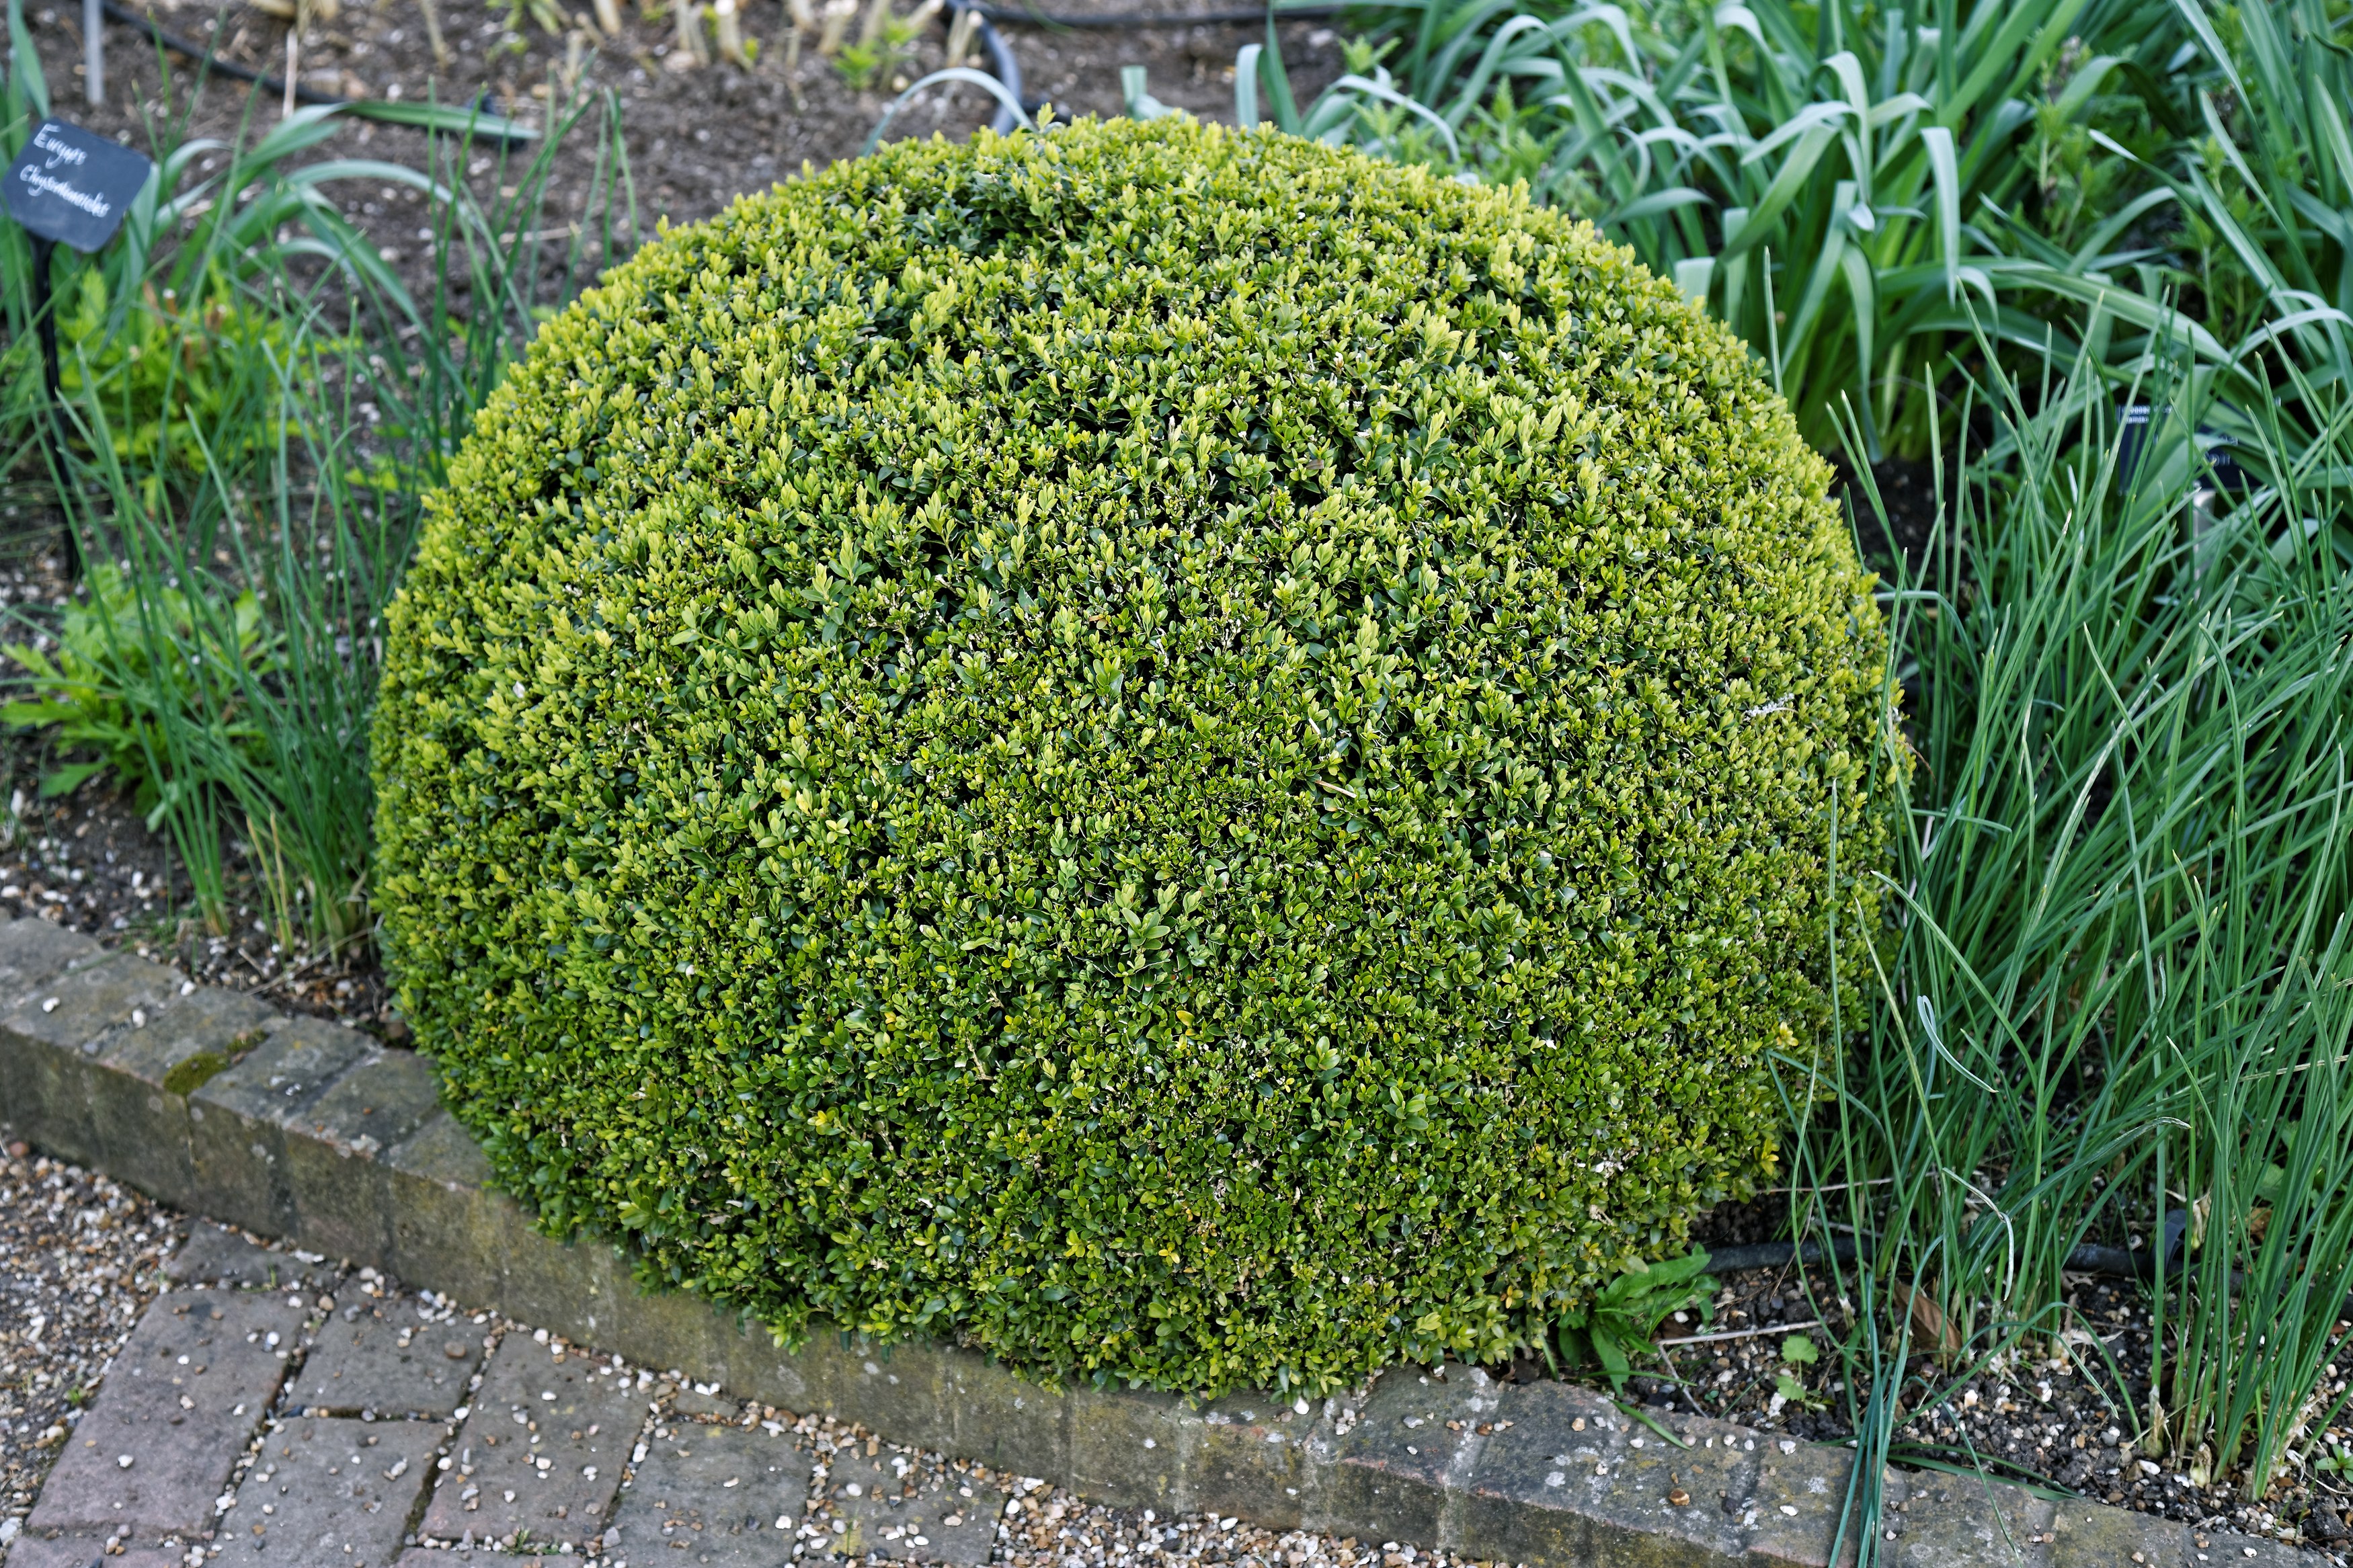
column 73, row 186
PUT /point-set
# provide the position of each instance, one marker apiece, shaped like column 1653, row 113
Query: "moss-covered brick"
column 1171, row 752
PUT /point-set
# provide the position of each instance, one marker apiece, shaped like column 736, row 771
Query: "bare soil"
column 698, row 134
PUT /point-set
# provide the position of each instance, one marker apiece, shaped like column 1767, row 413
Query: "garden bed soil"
column 1907, row 490
column 697, row 138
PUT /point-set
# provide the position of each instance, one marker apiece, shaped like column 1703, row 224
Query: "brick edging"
column 286, row 1126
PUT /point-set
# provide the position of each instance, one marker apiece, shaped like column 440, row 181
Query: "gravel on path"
column 695, row 1472
column 81, row 1257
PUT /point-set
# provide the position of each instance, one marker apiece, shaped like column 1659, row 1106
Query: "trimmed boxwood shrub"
column 1175, row 753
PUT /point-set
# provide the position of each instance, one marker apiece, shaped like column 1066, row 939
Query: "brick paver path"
column 273, row 1413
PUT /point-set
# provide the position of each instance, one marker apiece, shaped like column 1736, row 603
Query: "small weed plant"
column 105, row 692
column 1618, row 1322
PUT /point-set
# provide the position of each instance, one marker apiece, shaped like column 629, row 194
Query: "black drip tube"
column 1774, row 1253
column 2115, row 1262
column 2110, row 1260
column 1123, row 20
column 207, row 61
column 1001, row 65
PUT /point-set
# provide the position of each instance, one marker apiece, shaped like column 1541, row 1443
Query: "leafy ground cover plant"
column 104, row 693
column 168, row 370
column 968, row 755
column 1621, row 1319
column 1798, row 1352
column 256, row 485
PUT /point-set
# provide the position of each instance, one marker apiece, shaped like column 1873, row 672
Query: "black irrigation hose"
column 1773, row 1254
column 1119, row 20
column 208, row 62
column 2109, row 1261
column 2113, row 1262
column 1002, row 66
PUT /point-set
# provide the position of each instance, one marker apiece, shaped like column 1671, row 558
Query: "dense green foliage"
column 1185, row 754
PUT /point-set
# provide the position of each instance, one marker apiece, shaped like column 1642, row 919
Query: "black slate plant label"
column 72, row 187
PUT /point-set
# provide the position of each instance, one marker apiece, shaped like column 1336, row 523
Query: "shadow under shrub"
column 1179, row 754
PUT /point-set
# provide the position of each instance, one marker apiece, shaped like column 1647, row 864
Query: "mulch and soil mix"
column 698, row 135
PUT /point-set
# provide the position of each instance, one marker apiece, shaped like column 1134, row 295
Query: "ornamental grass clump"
column 1175, row 753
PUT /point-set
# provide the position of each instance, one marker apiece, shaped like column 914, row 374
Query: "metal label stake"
column 69, row 187
column 94, row 51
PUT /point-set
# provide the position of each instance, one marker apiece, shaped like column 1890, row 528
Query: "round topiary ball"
column 1175, row 753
